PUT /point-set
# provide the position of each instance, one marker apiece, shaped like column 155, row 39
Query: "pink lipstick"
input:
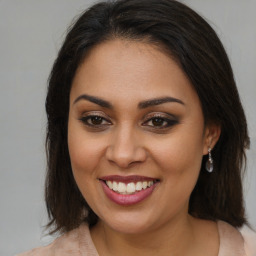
column 128, row 190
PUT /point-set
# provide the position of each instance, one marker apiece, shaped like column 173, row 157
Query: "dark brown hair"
column 194, row 45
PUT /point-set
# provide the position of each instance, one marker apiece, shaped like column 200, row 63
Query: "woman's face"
column 136, row 136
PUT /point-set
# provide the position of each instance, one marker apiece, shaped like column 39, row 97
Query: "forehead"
column 130, row 70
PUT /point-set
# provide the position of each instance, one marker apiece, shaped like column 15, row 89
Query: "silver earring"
column 209, row 162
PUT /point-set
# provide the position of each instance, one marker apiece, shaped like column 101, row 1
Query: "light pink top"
column 78, row 242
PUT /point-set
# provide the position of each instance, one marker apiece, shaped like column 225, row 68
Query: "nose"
column 126, row 148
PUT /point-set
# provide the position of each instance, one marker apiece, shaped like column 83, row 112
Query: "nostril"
column 124, row 152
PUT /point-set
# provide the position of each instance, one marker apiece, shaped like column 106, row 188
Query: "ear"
column 211, row 136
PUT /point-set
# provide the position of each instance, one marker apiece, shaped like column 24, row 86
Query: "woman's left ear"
column 211, row 136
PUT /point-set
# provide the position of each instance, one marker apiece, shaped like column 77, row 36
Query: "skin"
column 129, row 141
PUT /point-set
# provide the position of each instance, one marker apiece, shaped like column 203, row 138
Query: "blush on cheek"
column 84, row 158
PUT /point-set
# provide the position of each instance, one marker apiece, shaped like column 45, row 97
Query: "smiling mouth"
column 127, row 185
column 129, row 188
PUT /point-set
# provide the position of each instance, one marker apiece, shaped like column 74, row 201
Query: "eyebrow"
column 158, row 101
column 93, row 99
column 141, row 105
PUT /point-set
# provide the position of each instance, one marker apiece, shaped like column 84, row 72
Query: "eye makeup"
column 153, row 121
column 160, row 121
column 96, row 120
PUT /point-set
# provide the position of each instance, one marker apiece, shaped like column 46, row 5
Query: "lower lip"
column 128, row 199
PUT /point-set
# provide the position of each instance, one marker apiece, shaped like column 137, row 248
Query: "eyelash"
column 87, row 120
column 168, row 122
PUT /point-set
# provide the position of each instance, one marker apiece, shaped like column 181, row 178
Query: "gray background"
column 31, row 33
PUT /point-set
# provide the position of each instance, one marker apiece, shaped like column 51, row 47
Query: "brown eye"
column 157, row 121
column 163, row 121
column 95, row 120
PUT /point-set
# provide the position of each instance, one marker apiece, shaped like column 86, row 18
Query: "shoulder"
column 236, row 242
column 249, row 240
column 71, row 243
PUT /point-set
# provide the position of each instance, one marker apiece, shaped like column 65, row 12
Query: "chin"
column 129, row 223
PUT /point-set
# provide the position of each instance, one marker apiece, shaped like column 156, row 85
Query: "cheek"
column 84, row 152
column 179, row 158
column 180, row 164
column 179, row 154
column 85, row 155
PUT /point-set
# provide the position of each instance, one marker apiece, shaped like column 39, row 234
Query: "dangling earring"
column 209, row 163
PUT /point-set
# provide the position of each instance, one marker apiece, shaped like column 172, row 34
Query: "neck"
column 174, row 238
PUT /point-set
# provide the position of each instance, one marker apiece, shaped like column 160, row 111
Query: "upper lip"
column 127, row 179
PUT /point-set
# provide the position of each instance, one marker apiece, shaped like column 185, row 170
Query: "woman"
column 146, row 136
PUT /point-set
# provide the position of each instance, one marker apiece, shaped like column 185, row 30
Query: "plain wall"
column 31, row 33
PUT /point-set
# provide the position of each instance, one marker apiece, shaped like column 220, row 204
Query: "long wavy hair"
column 188, row 39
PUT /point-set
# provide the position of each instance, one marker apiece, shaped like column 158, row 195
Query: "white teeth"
column 129, row 188
column 139, row 186
column 110, row 185
column 144, row 185
column 121, row 187
column 115, row 186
